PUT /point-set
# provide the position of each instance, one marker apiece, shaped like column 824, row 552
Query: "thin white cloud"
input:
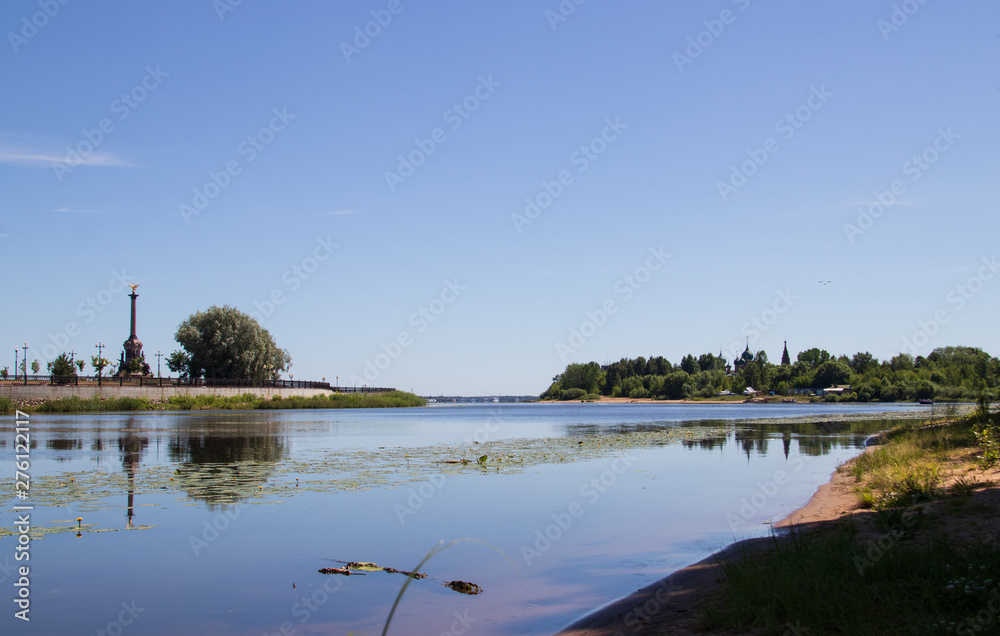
column 80, row 211
column 45, row 158
column 338, row 213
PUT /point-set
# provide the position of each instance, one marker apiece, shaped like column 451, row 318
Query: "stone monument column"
column 132, row 346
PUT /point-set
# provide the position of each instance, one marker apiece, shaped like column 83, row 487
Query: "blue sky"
column 471, row 195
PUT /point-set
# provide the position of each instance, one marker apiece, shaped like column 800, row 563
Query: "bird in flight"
column 824, row 282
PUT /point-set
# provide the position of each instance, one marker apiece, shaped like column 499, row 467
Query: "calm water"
column 216, row 523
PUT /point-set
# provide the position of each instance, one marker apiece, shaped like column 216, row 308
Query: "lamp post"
column 15, row 364
column 158, row 356
column 25, row 360
column 99, row 346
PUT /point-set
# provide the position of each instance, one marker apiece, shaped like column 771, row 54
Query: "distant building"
column 742, row 361
column 785, row 360
column 837, row 390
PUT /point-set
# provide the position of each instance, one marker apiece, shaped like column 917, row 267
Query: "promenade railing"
column 154, row 381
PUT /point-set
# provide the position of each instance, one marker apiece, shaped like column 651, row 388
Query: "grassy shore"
column 920, row 555
column 246, row 401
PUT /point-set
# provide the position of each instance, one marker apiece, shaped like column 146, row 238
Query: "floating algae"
column 464, row 587
column 257, row 481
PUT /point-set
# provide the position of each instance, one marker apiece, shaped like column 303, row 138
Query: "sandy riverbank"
column 671, row 605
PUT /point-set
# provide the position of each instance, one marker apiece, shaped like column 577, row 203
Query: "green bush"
column 986, row 427
column 573, row 394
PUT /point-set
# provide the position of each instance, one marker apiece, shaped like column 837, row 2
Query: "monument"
column 132, row 360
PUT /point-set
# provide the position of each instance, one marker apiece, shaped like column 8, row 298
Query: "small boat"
column 925, row 401
column 788, row 401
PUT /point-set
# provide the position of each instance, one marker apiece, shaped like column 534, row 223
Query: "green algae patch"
column 263, row 482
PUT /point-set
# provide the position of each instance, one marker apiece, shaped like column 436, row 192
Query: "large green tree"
column 832, row 373
column 223, row 342
column 588, row 377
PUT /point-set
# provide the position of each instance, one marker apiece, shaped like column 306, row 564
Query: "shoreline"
column 670, row 604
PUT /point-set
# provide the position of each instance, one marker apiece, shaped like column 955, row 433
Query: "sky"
column 461, row 198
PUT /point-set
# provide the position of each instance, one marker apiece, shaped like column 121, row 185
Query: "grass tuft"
column 246, row 401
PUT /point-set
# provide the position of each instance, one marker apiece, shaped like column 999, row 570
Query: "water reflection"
column 664, row 514
column 131, row 445
column 814, row 439
column 225, row 468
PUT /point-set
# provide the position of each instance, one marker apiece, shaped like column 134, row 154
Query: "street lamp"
column 99, row 346
column 15, row 364
column 25, row 361
column 158, row 356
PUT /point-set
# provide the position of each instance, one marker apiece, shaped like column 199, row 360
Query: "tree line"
column 949, row 373
column 220, row 342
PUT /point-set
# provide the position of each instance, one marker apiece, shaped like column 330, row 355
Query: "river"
column 218, row 522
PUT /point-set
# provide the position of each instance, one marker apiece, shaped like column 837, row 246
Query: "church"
column 746, row 357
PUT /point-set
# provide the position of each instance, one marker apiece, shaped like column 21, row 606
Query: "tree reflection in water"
column 227, row 466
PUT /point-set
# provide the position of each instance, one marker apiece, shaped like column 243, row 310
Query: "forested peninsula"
column 946, row 374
